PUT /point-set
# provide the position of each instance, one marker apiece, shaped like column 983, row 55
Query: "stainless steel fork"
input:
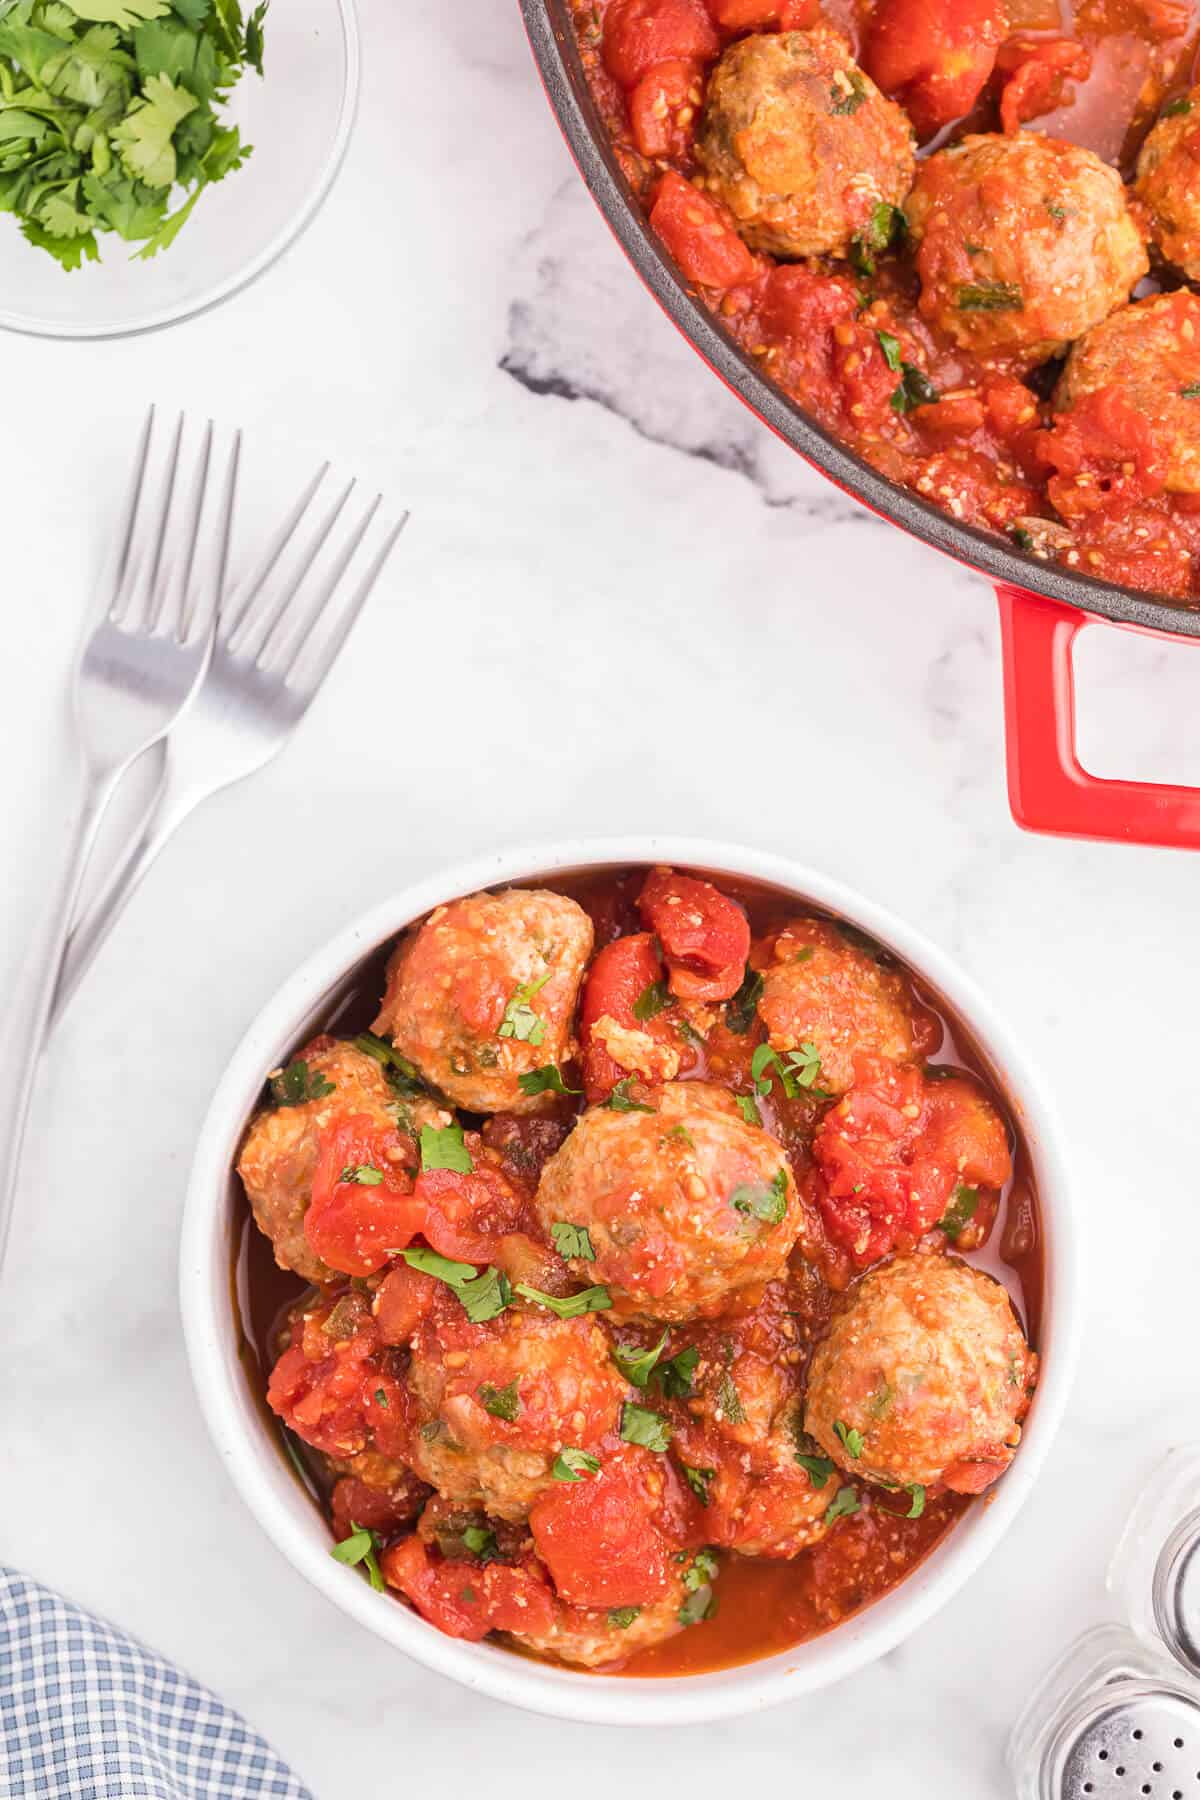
column 137, row 670
column 277, row 639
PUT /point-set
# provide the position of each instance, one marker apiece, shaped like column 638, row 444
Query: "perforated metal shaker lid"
column 1138, row 1740
column 1176, row 1595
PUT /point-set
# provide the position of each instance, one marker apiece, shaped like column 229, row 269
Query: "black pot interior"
column 552, row 37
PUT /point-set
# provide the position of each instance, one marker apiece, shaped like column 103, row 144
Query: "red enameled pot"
column 1042, row 606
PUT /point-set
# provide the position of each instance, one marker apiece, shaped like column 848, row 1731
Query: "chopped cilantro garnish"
column 748, row 1108
column 699, row 1480
column 761, row 1202
column 502, row 1403
column 483, row 1295
column 297, row 1084
column 651, row 1001
column 960, row 1212
column 917, row 1494
column 990, row 296
column 702, row 1570
column 546, row 1080
column 1021, row 538
column 623, row 1616
column 520, row 1021
column 480, row 1542
column 572, row 1465
column 1174, row 108
column 846, row 100
column 844, row 1502
column 619, row 1101
column 740, row 1011
column 675, row 1376
column 641, row 1426
column 885, row 224
column 797, row 1071
column 637, row 1366
column 1191, row 391
column 445, row 1149
column 362, row 1174
column 819, row 1468
column 1056, row 211
column 729, row 1401
column 681, row 1135
column 361, row 1547
column 890, row 346
column 572, row 1240
column 849, row 1438
column 569, row 1306
column 403, row 1075
column 914, row 389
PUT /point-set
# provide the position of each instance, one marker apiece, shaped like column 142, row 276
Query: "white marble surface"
column 619, row 605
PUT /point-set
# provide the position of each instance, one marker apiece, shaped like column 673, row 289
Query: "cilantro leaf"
column 445, row 1148
column 651, row 1001
column 484, row 1295
column 501, row 1403
column 362, row 1174
column 403, row 1075
column 297, row 1084
column 990, row 296
column 145, row 135
column 748, row 1108
column 741, row 1010
column 797, row 1071
column 572, row 1465
column 729, row 1401
column 520, row 1021
column 769, row 1204
column 546, row 1080
column 850, row 1439
column 699, row 1480
column 675, row 1376
column 637, row 1366
column 639, row 1425
column 844, row 1502
column 623, row 1616
column 572, row 1240
column 361, row 1547
column 960, row 1212
column 819, row 1468
column 125, row 14
column 916, row 1493
column 569, row 1306
column 619, row 1101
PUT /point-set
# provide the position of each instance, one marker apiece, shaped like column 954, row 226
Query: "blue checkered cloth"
column 86, row 1713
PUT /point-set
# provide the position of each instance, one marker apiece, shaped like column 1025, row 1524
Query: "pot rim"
column 250, row 1452
column 552, row 38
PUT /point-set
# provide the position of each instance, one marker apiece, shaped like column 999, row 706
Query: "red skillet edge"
column 1042, row 606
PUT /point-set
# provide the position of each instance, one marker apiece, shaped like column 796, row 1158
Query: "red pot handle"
column 1048, row 787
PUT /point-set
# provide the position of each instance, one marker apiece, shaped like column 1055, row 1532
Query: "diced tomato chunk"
column 663, row 109
column 705, row 935
column 933, row 56
column 602, row 1538
column 640, row 34
column 751, row 15
column 465, row 1214
column 1140, row 547
column 894, row 1149
column 1037, row 70
column 362, row 1206
column 354, row 1502
column 619, row 976
column 466, row 1600
column 326, row 1386
column 1103, row 456
column 801, row 305
column 700, row 234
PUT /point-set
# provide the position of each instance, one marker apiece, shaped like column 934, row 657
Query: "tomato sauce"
column 847, row 340
column 765, row 1605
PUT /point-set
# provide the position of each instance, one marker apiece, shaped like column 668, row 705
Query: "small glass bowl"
column 298, row 117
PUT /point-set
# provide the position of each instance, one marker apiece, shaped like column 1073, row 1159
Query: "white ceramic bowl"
column 252, row 1454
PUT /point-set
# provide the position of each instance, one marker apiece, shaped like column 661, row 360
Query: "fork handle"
column 173, row 801
column 27, row 1020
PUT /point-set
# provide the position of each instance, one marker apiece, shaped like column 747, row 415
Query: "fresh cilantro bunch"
column 106, row 106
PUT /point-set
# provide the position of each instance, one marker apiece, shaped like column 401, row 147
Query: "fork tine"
column 262, row 632
column 128, row 520
column 325, row 592
column 234, row 615
column 153, row 592
column 331, row 644
column 181, row 579
column 209, row 588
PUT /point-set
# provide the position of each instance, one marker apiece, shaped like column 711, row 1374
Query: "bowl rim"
column 288, row 1518
column 289, row 234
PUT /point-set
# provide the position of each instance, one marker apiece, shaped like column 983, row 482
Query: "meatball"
column 735, row 1433
column 1151, row 352
column 485, row 991
column 924, row 1378
column 800, row 144
column 604, row 1637
column 682, row 1201
column 820, row 989
column 280, row 1153
column 491, row 1405
column 1023, row 243
column 1168, row 184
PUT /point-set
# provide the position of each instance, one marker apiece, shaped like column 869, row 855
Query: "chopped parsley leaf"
column 891, row 349
column 1021, row 538
column 1175, row 108
column 702, row 1569
column 403, row 1075
column 546, row 1080
column 572, row 1240
column 445, row 1149
column 623, row 1616
column 698, row 1606
column 682, row 1135
column 572, row 1465
column 760, row 1202
column 569, row 1306
column 844, row 1502
column 502, row 1403
column 917, row 1493
column 619, row 1101
column 361, row 1547
column 362, row 1174
column 699, row 1480
column 885, row 224
column 846, row 100
column 381, row 1399
column 637, row 1366
column 675, row 1375
column 990, row 296
column 480, row 1542
column 520, row 1021
column 641, row 1426
column 748, row 1108
column 741, row 1010
column 796, row 1071
column 483, row 1296
column 819, row 1468
column 915, row 389
column 1191, row 391
column 651, row 1001
column 849, row 1438
column 729, row 1401
column 960, row 1212
column 297, row 1084
column 1054, row 209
